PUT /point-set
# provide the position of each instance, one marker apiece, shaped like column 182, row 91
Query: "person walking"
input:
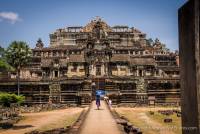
column 98, row 101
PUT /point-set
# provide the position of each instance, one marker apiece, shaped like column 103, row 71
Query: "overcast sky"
column 29, row 20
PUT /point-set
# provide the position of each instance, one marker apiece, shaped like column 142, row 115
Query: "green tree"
column 2, row 52
column 18, row 55
column 150, row 41
column 6, row 99
column 4, row 66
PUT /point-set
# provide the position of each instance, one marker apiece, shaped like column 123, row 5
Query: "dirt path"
column 99, row 121
column 44, row 120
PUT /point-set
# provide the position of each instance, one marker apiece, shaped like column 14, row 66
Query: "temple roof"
column 89, row 27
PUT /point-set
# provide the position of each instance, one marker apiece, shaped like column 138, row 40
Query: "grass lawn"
column 175, row 125
column 151, row 124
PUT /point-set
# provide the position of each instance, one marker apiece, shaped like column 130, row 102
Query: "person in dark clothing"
column 98, row 101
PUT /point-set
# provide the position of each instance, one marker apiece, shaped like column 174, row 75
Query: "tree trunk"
column 18, row 81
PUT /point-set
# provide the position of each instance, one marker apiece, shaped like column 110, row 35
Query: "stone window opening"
column 54, row 53
column 140, row 73
column 65, row 52
column 75, row 66
column 56, row 73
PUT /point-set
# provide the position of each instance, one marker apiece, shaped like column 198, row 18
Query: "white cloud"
column 10, row 16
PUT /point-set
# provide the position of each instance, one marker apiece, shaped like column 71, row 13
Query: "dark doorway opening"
column 140, row 73
column 56, row 74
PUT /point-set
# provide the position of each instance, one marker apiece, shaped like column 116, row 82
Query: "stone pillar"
column 106, row 68
column 53, row 74
column 102, row 70
column 92, row 69
column 189, row 66
column 154, row 72
column 137, row 72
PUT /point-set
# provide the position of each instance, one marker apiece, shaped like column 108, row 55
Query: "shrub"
column 6, row 99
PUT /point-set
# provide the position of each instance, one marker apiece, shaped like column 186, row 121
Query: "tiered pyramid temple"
column 119, row 60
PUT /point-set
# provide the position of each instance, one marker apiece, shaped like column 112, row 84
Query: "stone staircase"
column 141, row 92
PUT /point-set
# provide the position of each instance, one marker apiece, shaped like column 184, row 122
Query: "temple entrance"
column 56, row 74
column 140, row 73
column 98, row 70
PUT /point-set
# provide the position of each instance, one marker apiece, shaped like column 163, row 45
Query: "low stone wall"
column 127, row 105
column 7, row 113
column 8, row 116
column 132, row 105
column 42, row 107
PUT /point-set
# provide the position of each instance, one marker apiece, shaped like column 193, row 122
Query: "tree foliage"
column 4, row 66
column 150, row 41
column 18, row 54
column 6, row 99
column 2, row 52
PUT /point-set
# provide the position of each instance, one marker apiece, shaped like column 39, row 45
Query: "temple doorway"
column 98, row 70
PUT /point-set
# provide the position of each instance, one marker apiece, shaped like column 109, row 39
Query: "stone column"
column 102, row 70
column 106, row 68
column 137, row 72
column 92, row 69
column 189, row 66
column 53, row 74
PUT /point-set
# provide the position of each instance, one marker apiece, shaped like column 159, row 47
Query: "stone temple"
column 119, row 60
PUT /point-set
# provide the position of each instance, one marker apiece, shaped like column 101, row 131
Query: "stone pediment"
column 90, row 26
